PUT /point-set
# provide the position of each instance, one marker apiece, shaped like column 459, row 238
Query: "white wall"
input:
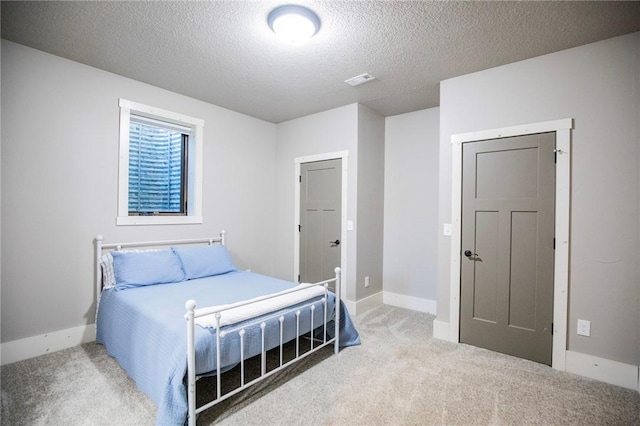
column 599, row 86
column 370, row 218
column 59, row 185
column 325, row 132
column 410, row 208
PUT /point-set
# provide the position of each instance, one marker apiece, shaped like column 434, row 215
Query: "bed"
column 171, row 312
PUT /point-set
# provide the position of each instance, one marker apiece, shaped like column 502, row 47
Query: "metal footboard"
column 191, row 315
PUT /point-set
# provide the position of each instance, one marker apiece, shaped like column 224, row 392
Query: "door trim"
column 561, row 258
column 344, row 156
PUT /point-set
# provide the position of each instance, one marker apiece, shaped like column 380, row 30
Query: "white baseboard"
column 409, row 302
column 393, row 299
column 350, row 305
column 605, row 370
column 370, row 302
column 441, row 330
column 18, row 350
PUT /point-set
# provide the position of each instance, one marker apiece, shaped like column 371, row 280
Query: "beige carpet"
column 399, row 375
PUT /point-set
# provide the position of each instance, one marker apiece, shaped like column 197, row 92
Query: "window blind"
column 157, row 153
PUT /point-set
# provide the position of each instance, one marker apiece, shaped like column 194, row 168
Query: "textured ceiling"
column 223, row 52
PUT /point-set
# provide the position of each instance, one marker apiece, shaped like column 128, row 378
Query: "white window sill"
column 158, row 220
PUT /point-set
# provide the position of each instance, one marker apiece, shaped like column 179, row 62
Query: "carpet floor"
column 400, row 375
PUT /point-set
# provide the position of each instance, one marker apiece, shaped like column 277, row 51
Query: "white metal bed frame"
column 191, row 316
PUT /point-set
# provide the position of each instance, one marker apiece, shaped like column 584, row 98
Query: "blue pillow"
column 146, row 268
column 205, row 261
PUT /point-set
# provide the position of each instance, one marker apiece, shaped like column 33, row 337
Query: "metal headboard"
column 100, row 247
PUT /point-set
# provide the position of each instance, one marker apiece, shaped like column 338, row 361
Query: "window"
column 160, row 177
column 157, row 167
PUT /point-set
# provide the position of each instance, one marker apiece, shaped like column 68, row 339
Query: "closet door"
column 508, row 209
column 320, row 219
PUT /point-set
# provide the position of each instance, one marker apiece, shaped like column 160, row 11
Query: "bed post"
column 336, row 347
column 191, row 362
column 223, row 233
column 98, row 269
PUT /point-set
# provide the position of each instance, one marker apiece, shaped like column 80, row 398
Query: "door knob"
column 469, row 253
column 334, row 243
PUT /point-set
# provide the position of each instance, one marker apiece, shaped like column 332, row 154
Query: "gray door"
column 320, row 223
column 508, row 209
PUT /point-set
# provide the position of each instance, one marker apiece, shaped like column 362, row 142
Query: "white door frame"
column 561, row 259
column 344, row 155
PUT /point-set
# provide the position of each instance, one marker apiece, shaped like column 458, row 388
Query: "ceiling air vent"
column 359, row 79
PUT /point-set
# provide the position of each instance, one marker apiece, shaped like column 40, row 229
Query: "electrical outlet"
column 584, row 328
column 366, row 281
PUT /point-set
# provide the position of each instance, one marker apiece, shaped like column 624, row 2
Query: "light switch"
column 584, row 328
column 447, row 230
column 349, row 225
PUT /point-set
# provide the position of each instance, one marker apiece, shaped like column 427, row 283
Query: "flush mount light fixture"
column 293, row 24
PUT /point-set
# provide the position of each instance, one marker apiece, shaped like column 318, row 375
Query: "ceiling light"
column 293, row 24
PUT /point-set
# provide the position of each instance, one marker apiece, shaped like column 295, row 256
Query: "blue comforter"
column 145, row 330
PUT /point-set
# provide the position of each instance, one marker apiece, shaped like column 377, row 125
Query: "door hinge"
column 299, row 228
column 300, row 178
column 555, row 156
column 551, row 323
column 554, row 243
column 298, row 277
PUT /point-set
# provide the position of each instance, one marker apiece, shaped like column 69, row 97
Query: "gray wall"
column 599, row 86
column 59, row 185
column 360, row 131
column 370, row 201
column 324, row 132
column 410, row 209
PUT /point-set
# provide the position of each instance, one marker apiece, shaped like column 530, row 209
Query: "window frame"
column 194, row 165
